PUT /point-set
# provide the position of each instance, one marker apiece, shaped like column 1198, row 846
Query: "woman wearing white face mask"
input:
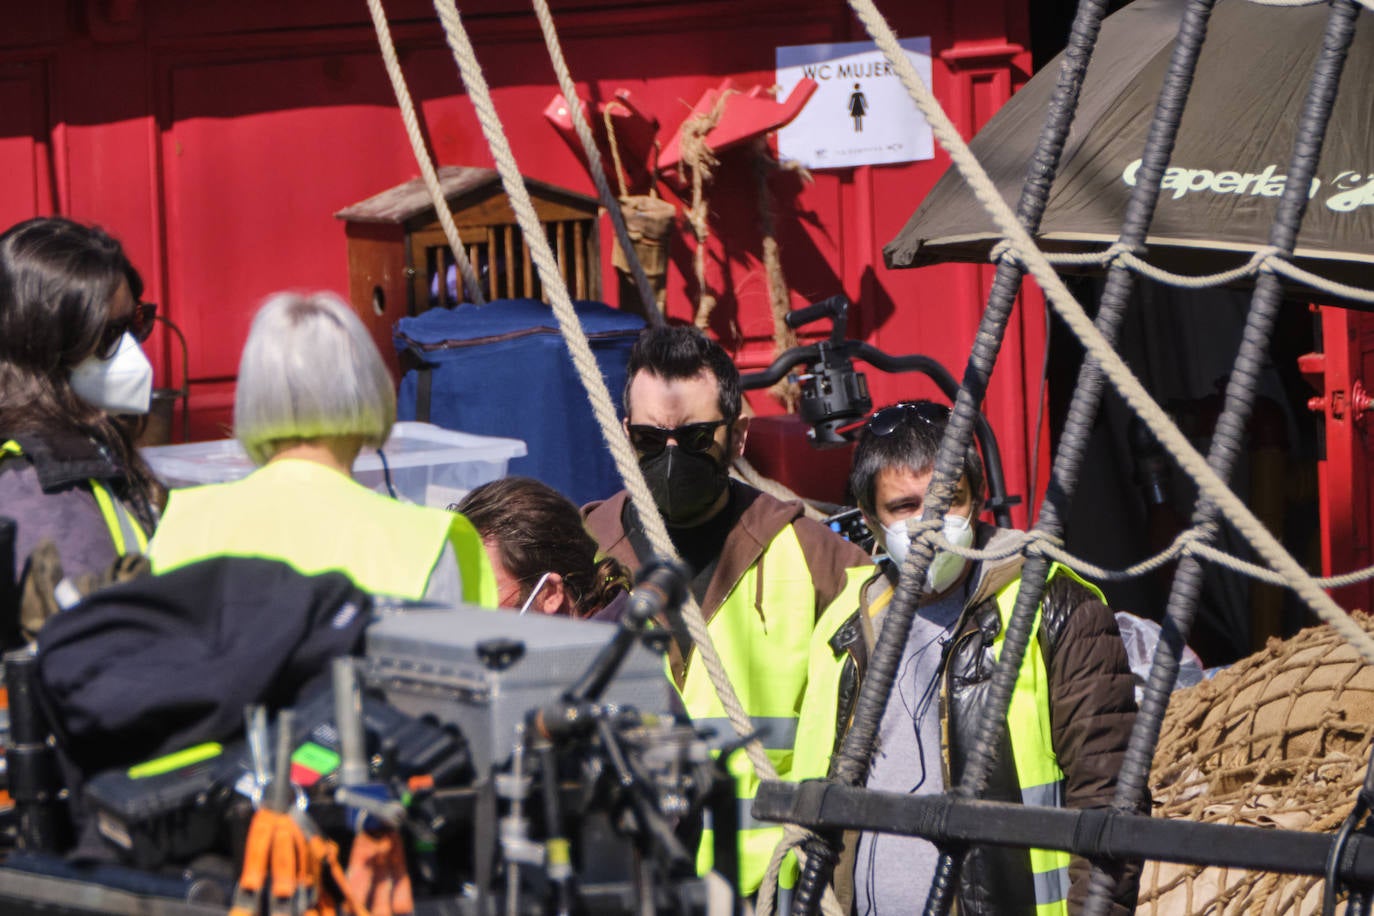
column 71, row 480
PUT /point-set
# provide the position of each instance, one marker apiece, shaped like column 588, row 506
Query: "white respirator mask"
column 945, row 567
column 121, row 384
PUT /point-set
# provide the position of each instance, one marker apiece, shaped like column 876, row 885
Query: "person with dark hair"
column 78, row 493
column 1068, row 727
column 771, row 583
column 543, row 557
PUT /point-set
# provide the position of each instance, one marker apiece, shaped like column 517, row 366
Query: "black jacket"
column 162, row 663
column 1092, row 711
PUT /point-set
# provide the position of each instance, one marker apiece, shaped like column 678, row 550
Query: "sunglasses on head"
column 138, row 324
column 694, row 437
column 886, row 421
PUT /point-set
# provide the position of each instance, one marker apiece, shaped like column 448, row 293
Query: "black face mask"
column 684, row 484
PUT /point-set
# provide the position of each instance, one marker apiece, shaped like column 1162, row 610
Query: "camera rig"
column 834, row 395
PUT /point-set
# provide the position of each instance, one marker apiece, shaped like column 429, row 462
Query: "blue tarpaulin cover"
column 503, row 369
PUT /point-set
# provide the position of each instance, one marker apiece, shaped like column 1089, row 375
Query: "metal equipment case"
column 484, row 670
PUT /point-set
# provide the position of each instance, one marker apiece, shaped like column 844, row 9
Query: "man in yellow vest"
column 763, row 574
column 1071, row 713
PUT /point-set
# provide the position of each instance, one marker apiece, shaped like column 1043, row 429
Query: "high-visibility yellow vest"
column 125, row 531
column 764, row 632
column 1038, row 774
column 318, row 520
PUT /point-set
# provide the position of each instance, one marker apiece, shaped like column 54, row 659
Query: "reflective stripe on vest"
column 1032, row 747
column 316, row 520
column 124, row 528
column 763, row 631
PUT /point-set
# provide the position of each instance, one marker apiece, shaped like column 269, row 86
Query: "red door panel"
column 1339, row 373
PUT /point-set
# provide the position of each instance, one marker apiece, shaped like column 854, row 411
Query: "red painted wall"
column 217, row 140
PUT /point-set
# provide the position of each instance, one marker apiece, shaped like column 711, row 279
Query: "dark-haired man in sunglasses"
column 1074, row 705
column 764, row 575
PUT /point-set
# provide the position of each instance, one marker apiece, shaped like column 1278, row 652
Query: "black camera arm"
column 835, row 395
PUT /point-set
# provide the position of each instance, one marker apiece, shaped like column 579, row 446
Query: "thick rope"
column 588, row 371
column 779, row 297
column 699, row 160
column 608, row 120
column 471, row 282
column 1111, row 364
column 594, row 162
column 1265, row 260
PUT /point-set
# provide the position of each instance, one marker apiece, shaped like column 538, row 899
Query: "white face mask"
column 121, row 384
column 945, row 567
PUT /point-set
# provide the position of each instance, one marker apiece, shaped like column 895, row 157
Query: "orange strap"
column 377, row 873
column 256, row 856
column 277, row 846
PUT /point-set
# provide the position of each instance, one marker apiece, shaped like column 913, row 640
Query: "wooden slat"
column 508, row 233
column 475, row 259
column 562, row 250
column 436, row 262
column 579, row 261
column 529, row 289
column 491, row 264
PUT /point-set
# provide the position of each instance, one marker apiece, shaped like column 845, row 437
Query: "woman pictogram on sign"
column 858, row 107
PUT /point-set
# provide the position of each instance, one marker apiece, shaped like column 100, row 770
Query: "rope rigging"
column 471, row 282
column 1017, row 254
column 1100, row 351
column 594, row 162
column 580, row 349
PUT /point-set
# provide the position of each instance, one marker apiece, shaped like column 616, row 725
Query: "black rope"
column 1083, row 408
column 1228, row 436
column 850, row 765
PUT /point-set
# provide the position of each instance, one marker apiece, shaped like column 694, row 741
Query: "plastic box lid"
column 429, row 464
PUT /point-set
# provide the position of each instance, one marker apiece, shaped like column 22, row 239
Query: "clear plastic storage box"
column 429, row 465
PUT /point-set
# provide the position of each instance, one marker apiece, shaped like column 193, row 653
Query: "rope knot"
column 927, row 530
column 1119, row 255
column 1005, row 249
column 1264, row 259
column 1190, row 539
column 1042, row 544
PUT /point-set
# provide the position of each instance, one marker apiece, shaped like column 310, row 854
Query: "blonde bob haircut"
column 310, row 371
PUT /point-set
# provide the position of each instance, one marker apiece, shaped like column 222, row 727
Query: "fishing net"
column 1279, row 740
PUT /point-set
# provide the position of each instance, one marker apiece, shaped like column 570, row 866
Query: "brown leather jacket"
column 1092, row 711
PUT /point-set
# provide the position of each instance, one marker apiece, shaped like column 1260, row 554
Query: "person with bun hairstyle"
column 544, row 559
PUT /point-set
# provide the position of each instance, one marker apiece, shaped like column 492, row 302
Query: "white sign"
column 861, row 114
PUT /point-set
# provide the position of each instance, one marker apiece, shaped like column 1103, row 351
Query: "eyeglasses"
column 694, row 437
column 138, row 323
column 885, row 422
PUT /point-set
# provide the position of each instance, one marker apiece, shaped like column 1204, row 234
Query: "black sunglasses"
column 885, row 422
column 138, row 323
column 694, row 437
